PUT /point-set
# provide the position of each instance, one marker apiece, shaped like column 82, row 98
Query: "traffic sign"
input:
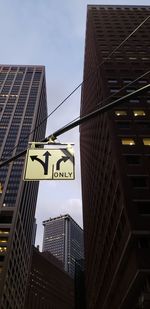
column 45, row 164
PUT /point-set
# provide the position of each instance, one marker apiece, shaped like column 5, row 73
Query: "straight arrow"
column 44, row 164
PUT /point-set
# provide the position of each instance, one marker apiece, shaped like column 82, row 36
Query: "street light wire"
column 85, row 80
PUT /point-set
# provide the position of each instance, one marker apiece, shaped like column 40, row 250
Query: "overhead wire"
column 113, row 95
column 93, row 114
column 86, row 79
column 85, row 118
column 101, row 102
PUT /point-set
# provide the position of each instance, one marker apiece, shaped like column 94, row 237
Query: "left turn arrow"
column 43, row 163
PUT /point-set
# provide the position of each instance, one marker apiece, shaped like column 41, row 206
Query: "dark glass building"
column 115, row 159
column 49, row 286
column 22, row 107
column 63, row 237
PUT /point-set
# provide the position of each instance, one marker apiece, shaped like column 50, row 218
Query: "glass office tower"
column 63, row 237
column 115, row 158
column 22, row 107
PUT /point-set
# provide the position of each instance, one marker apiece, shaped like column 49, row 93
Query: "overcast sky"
column 52, row 33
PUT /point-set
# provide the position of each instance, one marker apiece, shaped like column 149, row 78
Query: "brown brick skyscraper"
column 115, row 160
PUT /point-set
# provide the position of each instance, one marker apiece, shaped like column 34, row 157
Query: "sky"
column 52, row 33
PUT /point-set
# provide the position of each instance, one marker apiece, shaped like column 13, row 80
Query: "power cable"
column 83, row 119
column 94, row 113
column 89, row 76
column 133, row 32
column 124, row 87
column 116, row 93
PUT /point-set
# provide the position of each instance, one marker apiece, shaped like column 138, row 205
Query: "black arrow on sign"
column 63, row 159
column 44, row 164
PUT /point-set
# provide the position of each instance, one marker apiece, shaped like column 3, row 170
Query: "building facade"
column 115, row 159
column 80, row 302
column 63, row 237
column 49, row 286
column 22, row 108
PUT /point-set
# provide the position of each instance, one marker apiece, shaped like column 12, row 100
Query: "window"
column 144, row 243
column 3, row 240
column 142, row 125
column 112, row 81
column 3, row 249
column 4, row 231
column 127, row 81
column 145, row 58
column 132, row 58
column 139, row 181
column 134, row 101
column 121, row 113
column 127, row 141
column 142, row 82
column 6, row 217
column 123, row 124
column 130, row 90
column 146, row 141
column 143, row 207
column 114, row 90
column 132, row 159
column 138, row 113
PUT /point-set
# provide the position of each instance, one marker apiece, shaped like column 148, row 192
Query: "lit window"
column 4, row 231
column 138, row 113
column 146, row 141
column 120, row 113
column 2, row 240
column 3, row 249
column 128, row 141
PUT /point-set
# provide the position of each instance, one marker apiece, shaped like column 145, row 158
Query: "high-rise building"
column 22, row 107
column 80, row 302
column 49, row 286
column 63, row 237
column 115, row 158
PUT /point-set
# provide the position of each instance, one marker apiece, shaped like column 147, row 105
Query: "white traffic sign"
column 45, row 164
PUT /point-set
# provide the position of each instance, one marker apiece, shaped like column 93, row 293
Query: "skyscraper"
column 115, row 158
column 63, row 237
column 49, row 286
column 23, row 107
